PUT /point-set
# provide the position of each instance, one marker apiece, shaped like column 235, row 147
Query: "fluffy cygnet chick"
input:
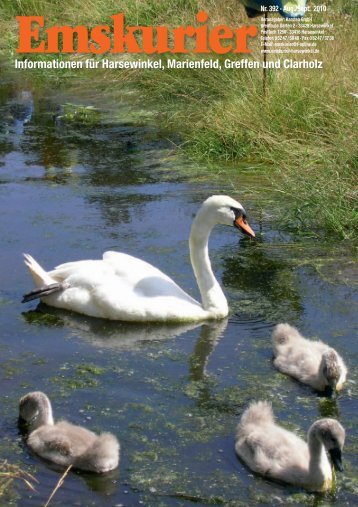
column 63, row 443
column 311, row 362
column 276, row 453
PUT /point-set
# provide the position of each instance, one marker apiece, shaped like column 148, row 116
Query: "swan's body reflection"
column 210, row 335
column 131, row 336
column 102, row 484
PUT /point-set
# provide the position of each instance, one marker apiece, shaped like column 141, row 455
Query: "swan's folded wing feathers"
column 277, row 452
column 300, row 372
column 319, row 347
column 102, row 455
column 143, row 278
column 295, row 364
column 146, row 279
column 123, row 264
column 82, row 272
column 257, row 453
column 59, row 445
column 48, row 441
column 302, row 363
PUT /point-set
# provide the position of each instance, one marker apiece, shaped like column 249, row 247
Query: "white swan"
column 311, row 362
column 122, row 287
column 63, row 443
column 277, row 453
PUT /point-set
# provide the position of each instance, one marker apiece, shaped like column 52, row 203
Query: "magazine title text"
column 132, row 39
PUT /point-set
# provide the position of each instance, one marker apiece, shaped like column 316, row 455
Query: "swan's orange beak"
column 242, row 224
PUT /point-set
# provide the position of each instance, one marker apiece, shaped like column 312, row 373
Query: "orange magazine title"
column 132, row 39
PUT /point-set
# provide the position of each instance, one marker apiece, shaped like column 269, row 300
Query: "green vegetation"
column 302, row 131
column 78, row 376
column 79, row 115
column 10, row 473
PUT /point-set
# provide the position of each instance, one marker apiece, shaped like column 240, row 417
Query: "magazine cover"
column 178, row 200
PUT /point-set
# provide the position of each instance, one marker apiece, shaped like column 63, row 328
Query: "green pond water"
column 78, row 176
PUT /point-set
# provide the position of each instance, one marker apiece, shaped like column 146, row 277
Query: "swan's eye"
column 238, row 213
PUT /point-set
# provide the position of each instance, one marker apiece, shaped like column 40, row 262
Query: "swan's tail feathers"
column 283, row 333
column 39, row 275
column 258, row 413
column 44, row 291
column 102, row 456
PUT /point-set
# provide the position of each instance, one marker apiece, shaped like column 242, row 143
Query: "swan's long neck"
column 44, row 414
column 320, row 470
column 212, row 296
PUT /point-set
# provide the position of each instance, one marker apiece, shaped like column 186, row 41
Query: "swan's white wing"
column 127, row 265
column 146, row 279
column 120, row 271
column 122, row 287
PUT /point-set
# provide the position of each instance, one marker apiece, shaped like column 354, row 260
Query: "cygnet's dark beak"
column 241, row 223
column 336, row 457
column 329, row 391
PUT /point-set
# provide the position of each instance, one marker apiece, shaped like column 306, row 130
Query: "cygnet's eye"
column 335, row 442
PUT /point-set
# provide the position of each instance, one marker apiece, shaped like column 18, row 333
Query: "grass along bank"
column 302, row 132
